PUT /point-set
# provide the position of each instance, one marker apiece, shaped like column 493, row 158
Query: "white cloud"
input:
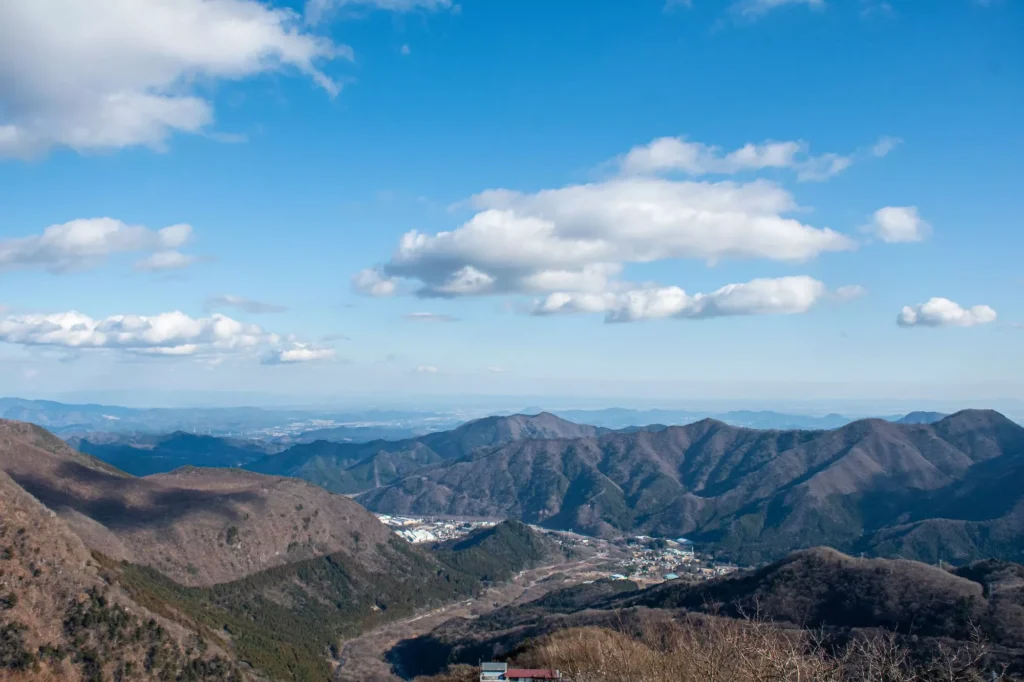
column 165, row 260
column 373, row 282
column 576, row 238
column 108, row 74
column 430, row 317
column 822, row 167
column 898, row 224
column 465, row 281
column 752, row 9
column 244, row 304
column 784, row 295
column 679, row 155
column 942, row 312
column 318, row 10
column 426, row 369
column 885, row 145
column 165, row 334
column 850, row 292
column 172, row 333
column 298, row 353
column 83, row 243
column 496, row 370
column 405, row 50
column 696, row 158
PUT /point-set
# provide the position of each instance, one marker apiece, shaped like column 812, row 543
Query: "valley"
column 279, row 577
column 364, row 658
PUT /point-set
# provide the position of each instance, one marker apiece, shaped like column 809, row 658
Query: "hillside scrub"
column 716, row 649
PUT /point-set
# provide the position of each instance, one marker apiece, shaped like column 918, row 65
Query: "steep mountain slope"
column 354, row 467
column 197, row 526
column 205, row 574
column 820, row 586
column 154, row 454
column 752, row 494
column 61, row 620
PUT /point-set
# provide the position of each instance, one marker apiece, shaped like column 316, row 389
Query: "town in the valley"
column 641, row 558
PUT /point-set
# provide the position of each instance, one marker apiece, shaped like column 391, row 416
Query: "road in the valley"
column 362, row 658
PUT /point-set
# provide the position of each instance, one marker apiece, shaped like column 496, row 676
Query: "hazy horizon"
column 477, row 405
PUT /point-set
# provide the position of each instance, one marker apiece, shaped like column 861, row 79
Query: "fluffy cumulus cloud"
column 167, row 334
column 784, row 295
column 898, row 224
column 81, row 244
column 569, row 247
column 172, row 333
column 373, row 282
column 577, row 238
column 942, row 312
column 244, row 304
column 108, row 74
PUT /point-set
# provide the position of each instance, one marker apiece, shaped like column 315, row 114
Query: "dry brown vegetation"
column 714, row 649
column 196, row 526
column 59, row 620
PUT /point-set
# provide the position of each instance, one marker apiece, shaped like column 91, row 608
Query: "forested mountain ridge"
column 355, row 467
column 872, row 486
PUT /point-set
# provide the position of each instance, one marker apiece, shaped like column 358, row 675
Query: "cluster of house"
column 500, row 672
column 655, row 559
column 417, row 530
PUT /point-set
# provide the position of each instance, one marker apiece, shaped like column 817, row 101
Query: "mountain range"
column 351, row 459
column 949, row 490
column 203, row 574
column 355, row 467
column 916, row 487
column 230, row 574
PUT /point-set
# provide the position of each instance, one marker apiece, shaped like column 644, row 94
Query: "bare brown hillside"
column 197, row 526
column 60, row 620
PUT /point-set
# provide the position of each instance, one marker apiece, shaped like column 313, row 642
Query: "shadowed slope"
column 198, row 526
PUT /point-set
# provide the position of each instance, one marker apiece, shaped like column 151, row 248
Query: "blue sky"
column 852, row 168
